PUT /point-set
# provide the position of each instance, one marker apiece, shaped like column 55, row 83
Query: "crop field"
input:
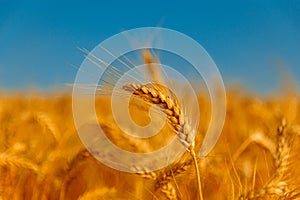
column 256, row 157
column 163, row 100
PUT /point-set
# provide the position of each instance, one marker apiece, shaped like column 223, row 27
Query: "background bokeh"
column 252, row 42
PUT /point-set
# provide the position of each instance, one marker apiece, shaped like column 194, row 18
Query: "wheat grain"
column 169, row 190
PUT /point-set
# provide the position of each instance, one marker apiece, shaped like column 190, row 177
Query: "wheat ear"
column 281, row 156
column 74, row 167
column 21, row 163
column 155, row 94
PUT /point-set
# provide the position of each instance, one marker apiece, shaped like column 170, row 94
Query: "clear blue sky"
column 248, row 39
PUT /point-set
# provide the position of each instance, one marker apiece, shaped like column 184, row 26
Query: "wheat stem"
column 194, row 156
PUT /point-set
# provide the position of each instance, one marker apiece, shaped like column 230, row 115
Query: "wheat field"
column 42, row 157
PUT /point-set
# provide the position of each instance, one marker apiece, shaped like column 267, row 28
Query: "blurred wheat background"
column 257, row 156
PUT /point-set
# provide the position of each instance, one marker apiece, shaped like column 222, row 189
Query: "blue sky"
column 249, row 40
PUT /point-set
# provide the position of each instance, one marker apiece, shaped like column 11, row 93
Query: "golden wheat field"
column 42, row 157
column 161, row 100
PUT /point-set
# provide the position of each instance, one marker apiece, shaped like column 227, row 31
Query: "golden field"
column 256, row 157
